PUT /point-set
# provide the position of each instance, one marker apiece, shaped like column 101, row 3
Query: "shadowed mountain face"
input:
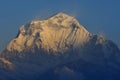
column 59, row 48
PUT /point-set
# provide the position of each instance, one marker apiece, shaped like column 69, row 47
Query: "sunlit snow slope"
column 55, row 34
column 59, row 48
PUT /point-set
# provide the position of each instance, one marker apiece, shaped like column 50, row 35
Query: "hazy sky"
column 97, row 16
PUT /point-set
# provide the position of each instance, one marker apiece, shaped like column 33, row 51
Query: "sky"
column 97, row 16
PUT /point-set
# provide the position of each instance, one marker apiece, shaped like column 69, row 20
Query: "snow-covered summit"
column 55, row 34
column 84, row 55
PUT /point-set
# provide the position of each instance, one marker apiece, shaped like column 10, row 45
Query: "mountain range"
column 59, row 48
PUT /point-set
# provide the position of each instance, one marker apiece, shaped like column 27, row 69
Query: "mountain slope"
column 55, row 34
column 59, row 48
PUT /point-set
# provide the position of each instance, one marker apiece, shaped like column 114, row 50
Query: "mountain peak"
column 62, row 15
column 55, row 34
column 59, row 47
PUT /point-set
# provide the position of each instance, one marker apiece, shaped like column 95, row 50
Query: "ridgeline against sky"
column 96, row 16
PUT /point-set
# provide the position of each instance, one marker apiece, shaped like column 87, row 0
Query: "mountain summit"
column 59, row 48
column 55, row 34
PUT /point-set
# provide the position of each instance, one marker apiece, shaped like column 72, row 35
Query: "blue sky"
column 97, row 16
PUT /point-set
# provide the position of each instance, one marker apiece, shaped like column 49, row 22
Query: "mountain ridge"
column 41, row 30
column 59, row 48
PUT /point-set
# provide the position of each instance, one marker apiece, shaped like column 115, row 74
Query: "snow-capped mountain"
column 59, row 48
column 55, row 34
